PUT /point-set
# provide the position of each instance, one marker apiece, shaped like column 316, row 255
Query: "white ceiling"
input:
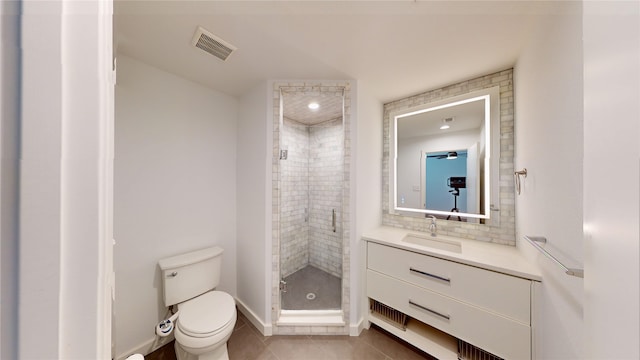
column 393, row 48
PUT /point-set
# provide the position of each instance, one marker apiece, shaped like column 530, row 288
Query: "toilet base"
column 219, row 353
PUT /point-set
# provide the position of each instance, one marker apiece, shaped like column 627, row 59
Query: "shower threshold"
column 311, row 318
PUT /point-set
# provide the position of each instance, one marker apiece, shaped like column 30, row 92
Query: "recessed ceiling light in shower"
column 314, row 106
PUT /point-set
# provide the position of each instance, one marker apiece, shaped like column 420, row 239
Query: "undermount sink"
column 434, row 242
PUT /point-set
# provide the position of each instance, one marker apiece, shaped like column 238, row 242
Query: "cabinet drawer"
column 504, row 294
column 499, row 335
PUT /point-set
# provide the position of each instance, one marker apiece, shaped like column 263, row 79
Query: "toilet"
column 205, row 317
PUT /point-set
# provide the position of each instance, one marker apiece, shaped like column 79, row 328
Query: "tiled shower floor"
column 325, row 288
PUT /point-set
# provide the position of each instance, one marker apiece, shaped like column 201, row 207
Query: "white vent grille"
column 212, row 44
column 467, row 351
column 388, row 314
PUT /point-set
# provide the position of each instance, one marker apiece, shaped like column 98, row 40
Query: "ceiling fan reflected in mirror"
column 449, row 155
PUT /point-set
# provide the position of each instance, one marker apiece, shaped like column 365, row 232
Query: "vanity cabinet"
column 448, row 300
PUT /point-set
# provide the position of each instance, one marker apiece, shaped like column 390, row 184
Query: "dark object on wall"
column 457, row 182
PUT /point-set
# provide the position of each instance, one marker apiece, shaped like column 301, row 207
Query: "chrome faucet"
column 433, row 228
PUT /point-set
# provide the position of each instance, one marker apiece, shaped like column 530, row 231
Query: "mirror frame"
column 491, row 99
column 500, row 228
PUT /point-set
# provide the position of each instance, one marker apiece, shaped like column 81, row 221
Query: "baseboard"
column 356, row 329
column 265, row 329
column 146, row 347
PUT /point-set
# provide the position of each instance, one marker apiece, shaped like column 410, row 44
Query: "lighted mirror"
column 445, row 157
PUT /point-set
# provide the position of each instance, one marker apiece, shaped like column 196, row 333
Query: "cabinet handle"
column 430, row 275
column 446, row 317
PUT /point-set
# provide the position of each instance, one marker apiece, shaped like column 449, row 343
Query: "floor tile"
column 247, row 343
column 166, row 352
column 256, row 332
column 296, row 348
column 240, row 321
column 347, row 348
column 390, row 345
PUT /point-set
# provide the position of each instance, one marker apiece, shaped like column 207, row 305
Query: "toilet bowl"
column 204, row 326
column 206, row 317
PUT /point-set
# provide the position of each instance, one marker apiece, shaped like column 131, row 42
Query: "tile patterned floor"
column 246, row 343
column 325, row 287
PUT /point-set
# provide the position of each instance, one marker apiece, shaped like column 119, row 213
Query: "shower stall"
column 309, row 223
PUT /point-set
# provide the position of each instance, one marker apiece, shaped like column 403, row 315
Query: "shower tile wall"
column 326, row 170
column 311, row 190
column 294, row 224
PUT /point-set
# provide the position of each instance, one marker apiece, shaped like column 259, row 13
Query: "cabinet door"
column 496, row 334
column 507, row 295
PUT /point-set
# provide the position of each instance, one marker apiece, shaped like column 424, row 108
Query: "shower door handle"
column 333, row 219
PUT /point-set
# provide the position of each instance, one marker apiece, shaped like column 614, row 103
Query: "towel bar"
column 534, row 240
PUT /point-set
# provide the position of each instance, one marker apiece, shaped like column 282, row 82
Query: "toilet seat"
column 207, row 314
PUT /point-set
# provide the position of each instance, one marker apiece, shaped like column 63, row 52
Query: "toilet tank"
column 188, row 275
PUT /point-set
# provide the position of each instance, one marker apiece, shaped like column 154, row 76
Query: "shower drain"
column 311, row 296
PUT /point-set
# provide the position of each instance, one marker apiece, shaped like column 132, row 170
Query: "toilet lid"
column 206, row 314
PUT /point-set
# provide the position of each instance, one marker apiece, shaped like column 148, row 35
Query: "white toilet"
column 205, row 317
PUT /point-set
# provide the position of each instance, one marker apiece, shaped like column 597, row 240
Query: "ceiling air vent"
column 212, row 44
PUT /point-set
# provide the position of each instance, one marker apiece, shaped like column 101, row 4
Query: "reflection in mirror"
column 445, row 181
column 444, row 157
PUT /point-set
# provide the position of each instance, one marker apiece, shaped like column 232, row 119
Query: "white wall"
column 175, row 188
column 253, row 166
column 548, row 142
column 611, row 214
column 40, row 181
column 64, row 214
column 9, row 136
column 86, row 258
column 368, row 190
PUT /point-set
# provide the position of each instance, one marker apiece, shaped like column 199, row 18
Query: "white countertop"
column 500, row 258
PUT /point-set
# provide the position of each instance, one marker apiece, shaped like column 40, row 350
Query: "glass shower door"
column 311, row 196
